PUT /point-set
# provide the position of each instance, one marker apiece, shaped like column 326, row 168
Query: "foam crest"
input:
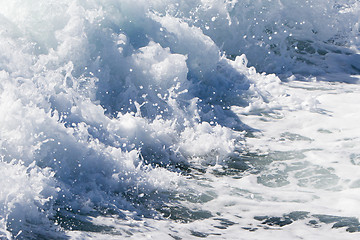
column 106, row 107
column 96, row 108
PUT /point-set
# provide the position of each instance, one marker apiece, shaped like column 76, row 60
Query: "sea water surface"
column 164, row 119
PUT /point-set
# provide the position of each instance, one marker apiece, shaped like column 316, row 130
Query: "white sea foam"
column 120, row 118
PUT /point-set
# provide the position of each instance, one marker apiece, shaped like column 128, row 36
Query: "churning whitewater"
column 164, row 119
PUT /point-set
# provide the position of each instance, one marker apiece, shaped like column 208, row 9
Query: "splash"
column 105, row 106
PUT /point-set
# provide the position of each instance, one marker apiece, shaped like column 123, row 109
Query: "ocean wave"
column 105, row 104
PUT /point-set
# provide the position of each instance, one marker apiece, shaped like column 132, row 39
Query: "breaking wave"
column 105, row 105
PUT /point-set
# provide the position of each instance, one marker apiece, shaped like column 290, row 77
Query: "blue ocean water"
column 216, row 119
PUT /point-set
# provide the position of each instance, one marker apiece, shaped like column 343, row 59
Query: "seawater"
column 179, row 119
